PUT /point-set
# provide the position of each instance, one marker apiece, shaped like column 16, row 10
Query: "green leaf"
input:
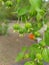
column 24, row 18
column 29, row 63
column 36, row 26
column 35, row 48
column 22, row 11
column 35, row 4
column 47, row 37
column 32, row 55
column 24, row 48
column 18, row 1
column 45, row 54
column 38, row 16
column 20, row 56
column 32, row 11
column 42, row 43
column 40, row 63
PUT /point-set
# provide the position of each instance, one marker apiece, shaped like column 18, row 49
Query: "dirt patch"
column 10, row 45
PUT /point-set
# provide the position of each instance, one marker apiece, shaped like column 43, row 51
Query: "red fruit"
column 31, row 36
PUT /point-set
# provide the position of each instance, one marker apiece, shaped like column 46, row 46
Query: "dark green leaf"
column 35, row 4
column 45, row 54
column 47, row 37
column 22, row 11
column 20, row 56
column 29, row 63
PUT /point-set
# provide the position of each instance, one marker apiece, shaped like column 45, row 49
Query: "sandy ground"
column 10, row 46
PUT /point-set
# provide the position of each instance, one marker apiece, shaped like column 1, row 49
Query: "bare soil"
column 10, row 45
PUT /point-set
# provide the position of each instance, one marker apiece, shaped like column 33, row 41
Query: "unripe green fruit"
column 21, row 30
column 28, row 25
column 9, row 3
column 39, row 56
column 37, row 34
column 16, row 27
column 26, row 56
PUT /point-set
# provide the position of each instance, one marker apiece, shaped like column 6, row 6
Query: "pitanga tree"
column 33, row 16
